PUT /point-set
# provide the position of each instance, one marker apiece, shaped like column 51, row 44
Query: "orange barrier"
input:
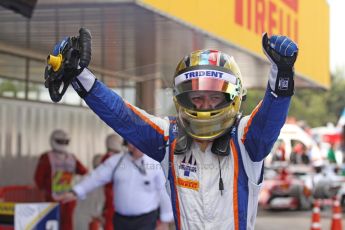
column 336, row 216
column 315, row 218
column 21, row 193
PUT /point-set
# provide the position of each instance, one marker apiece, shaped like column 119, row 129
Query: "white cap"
column 59, row 140
column 114, row 142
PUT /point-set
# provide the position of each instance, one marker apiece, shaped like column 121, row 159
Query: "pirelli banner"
column 242, row 22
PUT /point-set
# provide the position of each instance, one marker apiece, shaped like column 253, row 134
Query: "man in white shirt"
column 139, row 185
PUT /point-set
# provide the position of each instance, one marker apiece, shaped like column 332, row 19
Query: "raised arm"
column 68, row 64
column 263, row 127
column 148, row 133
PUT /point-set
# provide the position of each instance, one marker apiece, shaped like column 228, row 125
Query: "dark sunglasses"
column 62, row 141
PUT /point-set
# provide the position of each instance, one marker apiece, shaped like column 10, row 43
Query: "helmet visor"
column 204, row 100
column 229, row 86
column 203, row 79
column 206, row 84
column 62, row 141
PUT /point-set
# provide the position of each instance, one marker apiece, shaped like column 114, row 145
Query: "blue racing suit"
column 193, row 177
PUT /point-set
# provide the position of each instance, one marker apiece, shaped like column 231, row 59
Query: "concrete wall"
column 25, row 129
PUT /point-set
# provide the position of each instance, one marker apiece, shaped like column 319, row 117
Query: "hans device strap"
column 219, row 147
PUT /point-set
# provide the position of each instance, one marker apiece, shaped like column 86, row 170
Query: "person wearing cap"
column 211, row 154
column 55, row 172
column 140, row 197
column 114, row 146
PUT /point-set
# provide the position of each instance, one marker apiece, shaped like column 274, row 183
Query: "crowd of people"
column 133, row 183
column 317, row 152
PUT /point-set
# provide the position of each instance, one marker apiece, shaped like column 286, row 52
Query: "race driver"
column 213, row 157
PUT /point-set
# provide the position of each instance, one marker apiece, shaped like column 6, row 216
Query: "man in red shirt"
column 54, row 174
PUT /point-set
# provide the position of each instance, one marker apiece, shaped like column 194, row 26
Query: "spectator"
column 299, row 155
column 342, row 143
column 331, row 154
column 280, row 153
column 54, row 174
column 341, row 148
column 114, row 146
column 139, row 185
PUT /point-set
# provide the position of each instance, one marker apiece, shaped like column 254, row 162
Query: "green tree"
column 254, row 96
column 336, row 95
column 310, row 106
column 7, row 86
column 316, row 107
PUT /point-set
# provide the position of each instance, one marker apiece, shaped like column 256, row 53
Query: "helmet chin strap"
column 220, row 145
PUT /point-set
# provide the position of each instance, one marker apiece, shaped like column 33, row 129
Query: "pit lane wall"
column 25, row 128
column 242, row 22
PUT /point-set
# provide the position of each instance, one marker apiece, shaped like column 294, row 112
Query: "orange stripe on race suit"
column 147, row 120
column 235, row 185
column 177, row 205
column 250, row 121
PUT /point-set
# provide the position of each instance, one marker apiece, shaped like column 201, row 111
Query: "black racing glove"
column 70, row 56
column 282, row 53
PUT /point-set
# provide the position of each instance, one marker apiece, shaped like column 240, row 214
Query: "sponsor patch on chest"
column 188, row 167
column 187, row 183
column 188, row 177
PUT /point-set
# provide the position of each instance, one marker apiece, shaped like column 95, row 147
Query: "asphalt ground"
column 283, row 219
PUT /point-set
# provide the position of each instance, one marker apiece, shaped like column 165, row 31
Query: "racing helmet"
column 59, row 141
column 114, row 142
column 207, row 72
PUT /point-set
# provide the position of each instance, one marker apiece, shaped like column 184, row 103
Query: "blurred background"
column 136, row 45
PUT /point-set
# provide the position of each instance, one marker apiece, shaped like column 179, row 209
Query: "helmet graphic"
column 114, row 142
column 208, row 93
column 59, row 141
